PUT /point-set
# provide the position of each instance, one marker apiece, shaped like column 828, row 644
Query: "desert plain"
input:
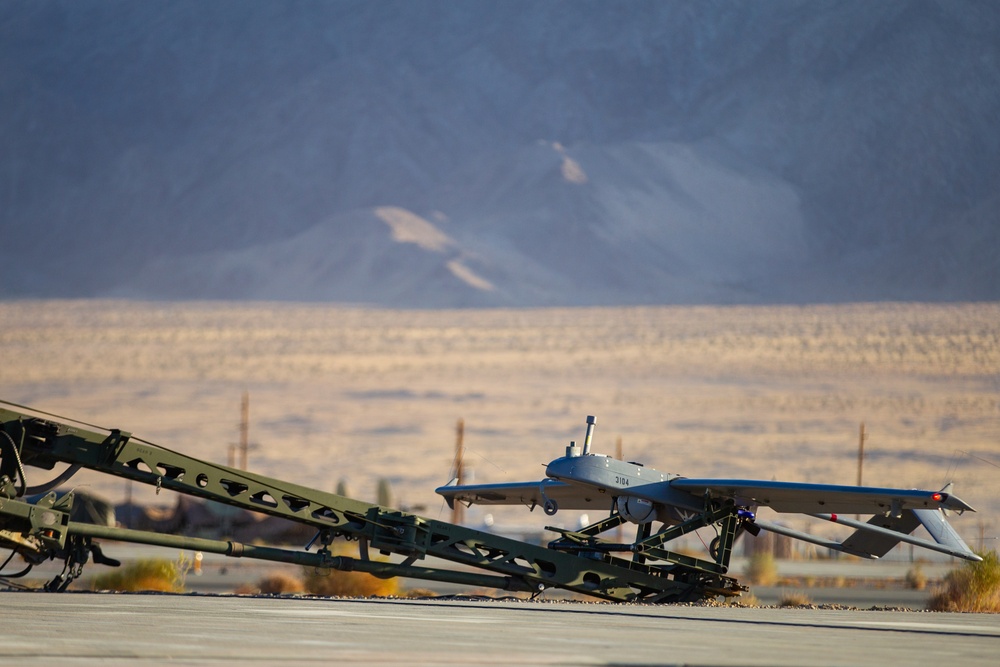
column 358, row 395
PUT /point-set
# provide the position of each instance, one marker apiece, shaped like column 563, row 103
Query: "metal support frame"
column 647, row 547
column 727, row 518
column 44, row 531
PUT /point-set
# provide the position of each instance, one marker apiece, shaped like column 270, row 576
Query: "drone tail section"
column 881, row 533
column 875, row 544
column 943, row 532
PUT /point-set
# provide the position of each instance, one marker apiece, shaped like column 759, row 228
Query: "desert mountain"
column 455, row 154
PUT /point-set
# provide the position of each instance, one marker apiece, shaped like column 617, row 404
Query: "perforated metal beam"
column 44, row 440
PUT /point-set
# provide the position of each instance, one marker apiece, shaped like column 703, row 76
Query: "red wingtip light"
column 937, row 497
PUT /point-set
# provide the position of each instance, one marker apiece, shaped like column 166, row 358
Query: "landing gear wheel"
column 550, row 507
column 713, row 547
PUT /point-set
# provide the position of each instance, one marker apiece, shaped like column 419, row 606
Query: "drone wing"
column 800, row 497
column 895, row 512
column 566, row 496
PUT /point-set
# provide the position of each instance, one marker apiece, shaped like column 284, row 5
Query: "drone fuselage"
column 621, row 479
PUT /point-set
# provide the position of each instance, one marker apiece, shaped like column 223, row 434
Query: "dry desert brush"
column 795, row 599
column 147, row 574
column 972, row 587
column 335, row 583
column 338, row 583
column 762, row 569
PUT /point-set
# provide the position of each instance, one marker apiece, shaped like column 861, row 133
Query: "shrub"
column 972, row 587
column 794, row 600
column 745, row 600
column 147, row 574
column 278, row 583
column 915, row 578
column 419, row 593
column 337, row 583
column 334, row 583
column 761, row 569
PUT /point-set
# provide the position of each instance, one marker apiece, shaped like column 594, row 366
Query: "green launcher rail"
column 43, row 530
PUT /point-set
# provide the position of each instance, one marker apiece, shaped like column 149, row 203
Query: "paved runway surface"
column 133, row 629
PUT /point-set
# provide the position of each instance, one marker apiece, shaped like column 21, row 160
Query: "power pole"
column 861, row 452
column 861, row 458
column 458, row 511
column 244, row 429
column 620, row 533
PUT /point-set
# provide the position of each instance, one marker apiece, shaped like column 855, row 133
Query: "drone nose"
column 562, row 467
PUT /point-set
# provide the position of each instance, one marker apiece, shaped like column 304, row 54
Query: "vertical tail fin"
column 943, row 533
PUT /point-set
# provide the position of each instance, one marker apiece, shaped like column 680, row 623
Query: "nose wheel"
column 713, row 548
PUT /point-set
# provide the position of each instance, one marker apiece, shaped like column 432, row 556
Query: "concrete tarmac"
column 111, row 629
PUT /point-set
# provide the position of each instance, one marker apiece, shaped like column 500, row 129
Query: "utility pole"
column 861, row 459
column 458, row 511
column 620, row 534
column 244, row 429
column 861, row 451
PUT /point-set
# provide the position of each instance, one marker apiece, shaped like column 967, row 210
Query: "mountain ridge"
column 574, row 153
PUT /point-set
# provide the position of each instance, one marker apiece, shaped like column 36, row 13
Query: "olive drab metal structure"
column 33, row 441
